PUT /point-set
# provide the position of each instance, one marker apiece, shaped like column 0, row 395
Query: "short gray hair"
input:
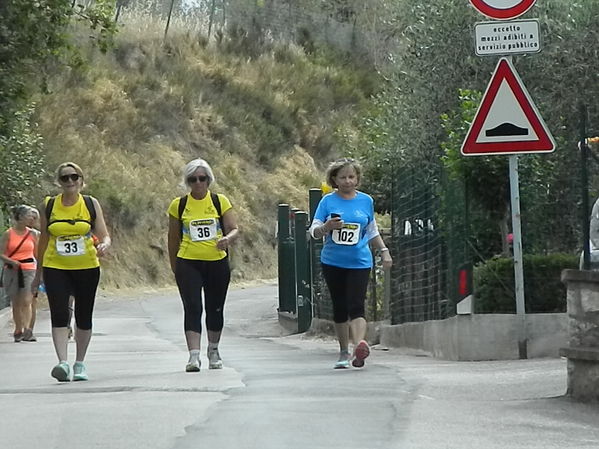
column 337, row 165
column 21, row 210
column 192, row 166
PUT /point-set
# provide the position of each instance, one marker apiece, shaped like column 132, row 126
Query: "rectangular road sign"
column 507, row 38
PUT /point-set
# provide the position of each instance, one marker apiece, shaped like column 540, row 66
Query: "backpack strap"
column 182, row 204
column 49, row 206
column 215, row 200
column 180, row 210
column 89, row 204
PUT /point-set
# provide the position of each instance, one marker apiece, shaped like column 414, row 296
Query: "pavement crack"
column 64, row 389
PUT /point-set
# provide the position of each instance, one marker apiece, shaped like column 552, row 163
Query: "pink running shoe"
column 361, row 352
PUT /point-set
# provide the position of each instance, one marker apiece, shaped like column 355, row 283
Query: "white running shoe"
column 193, row 366
column 214, row 360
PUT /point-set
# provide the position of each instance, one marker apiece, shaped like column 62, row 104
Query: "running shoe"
column 361, row 352
column 193, row 366
column 18, row 336
column 79, row 372
column 61, row 372
column 214, row 360
column 343, row 362
column 28, row 335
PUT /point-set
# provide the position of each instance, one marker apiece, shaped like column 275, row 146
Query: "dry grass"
column 139, row 113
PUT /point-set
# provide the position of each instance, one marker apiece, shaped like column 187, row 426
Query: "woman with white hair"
column 202, row 226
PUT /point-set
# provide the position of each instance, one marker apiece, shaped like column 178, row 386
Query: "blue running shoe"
column 343, row 362
column 61, row 372
column 79, row 372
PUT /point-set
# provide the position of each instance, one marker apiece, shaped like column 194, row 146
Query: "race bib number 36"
column 202, row 230
column 349, row 234
column 70, row 245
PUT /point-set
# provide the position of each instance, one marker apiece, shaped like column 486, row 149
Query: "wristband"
column 382, row 250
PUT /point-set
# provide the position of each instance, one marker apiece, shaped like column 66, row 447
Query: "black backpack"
column 89, row 203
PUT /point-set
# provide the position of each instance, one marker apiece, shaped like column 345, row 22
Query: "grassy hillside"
column 265, row 118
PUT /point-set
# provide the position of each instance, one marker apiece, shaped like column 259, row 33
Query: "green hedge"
column 543, row 289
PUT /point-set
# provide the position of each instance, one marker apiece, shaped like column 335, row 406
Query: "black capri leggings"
column 213, row 277
column 82, row 284
column 348, row 291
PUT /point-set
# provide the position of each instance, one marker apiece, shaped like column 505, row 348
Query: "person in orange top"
column 18, row 246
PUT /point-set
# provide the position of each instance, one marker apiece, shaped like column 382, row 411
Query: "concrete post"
column 583, row 322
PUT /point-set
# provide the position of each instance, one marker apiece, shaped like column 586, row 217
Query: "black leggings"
column 213, row 277
column 82, row 284
column 347, row 287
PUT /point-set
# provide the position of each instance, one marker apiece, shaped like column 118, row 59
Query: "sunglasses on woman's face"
column 72, row 177
column 194, row 179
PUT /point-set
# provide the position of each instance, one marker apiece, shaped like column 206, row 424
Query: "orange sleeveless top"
column 25, row 251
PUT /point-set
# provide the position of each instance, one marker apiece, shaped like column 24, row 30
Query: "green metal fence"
column 428, row 249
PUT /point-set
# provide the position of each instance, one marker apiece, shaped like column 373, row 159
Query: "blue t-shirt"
column 348, row 247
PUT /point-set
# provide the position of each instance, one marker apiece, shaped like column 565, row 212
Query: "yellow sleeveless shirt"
column 200, row 219
column 70, row 244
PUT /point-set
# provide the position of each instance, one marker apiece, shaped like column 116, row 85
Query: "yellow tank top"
column 70, row 244
column 201, row 228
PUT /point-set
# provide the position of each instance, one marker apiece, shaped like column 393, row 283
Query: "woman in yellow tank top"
column 202, row 225
column 70, row 266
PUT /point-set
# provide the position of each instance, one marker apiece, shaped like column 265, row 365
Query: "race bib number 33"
column 202, row 230
column 349, row 234
column 70, row 245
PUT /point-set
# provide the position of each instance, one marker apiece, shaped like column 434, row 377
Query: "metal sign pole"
column 518, row 260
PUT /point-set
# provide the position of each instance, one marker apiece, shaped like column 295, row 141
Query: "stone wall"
column 583, row 328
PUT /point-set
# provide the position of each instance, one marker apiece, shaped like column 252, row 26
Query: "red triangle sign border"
column 544, row 144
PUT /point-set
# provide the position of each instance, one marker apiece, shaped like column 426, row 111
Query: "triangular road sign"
column 507, row 121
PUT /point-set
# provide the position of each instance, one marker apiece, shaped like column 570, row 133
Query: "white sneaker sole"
column 191, row 368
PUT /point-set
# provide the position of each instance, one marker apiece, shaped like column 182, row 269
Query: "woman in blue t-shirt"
column 345, row 219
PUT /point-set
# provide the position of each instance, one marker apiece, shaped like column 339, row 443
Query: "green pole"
column 584, row 181
column 286, row 262
column 315, row 246
column 302, row 279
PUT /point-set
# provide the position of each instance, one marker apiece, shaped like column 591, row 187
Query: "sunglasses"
column 194, row 179
column 72, row 177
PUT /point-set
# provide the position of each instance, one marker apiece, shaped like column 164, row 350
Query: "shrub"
column 543, row 289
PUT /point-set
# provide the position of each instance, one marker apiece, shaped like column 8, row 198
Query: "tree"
column 33, row 34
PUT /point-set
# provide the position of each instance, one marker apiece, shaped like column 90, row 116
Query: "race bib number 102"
column 349, row 234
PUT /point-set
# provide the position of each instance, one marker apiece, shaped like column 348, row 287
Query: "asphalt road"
column 275, row 391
